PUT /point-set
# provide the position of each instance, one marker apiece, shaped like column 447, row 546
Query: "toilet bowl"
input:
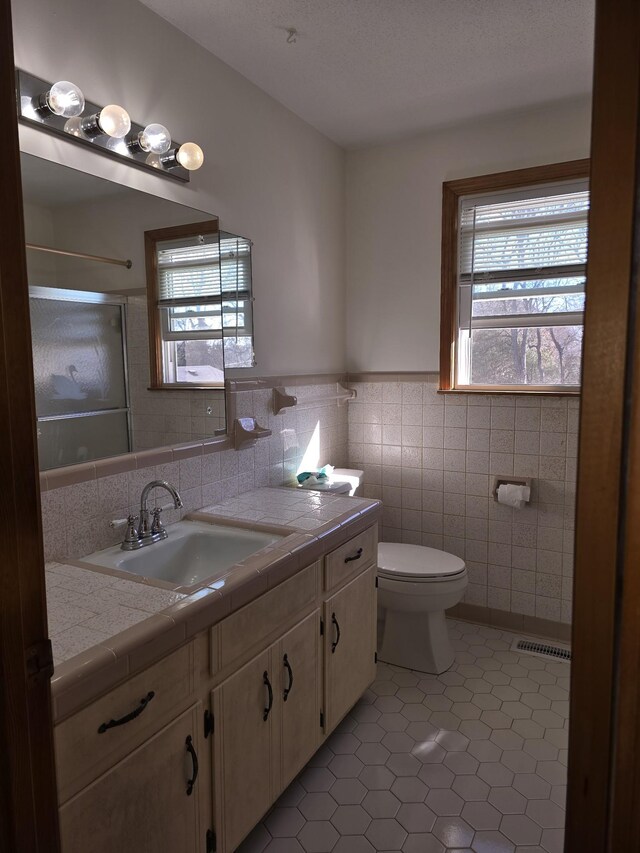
column 415, row 586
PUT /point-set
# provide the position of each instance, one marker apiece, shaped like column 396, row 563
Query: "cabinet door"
column 141, row 805
column 243, row 766
column 298, row 655
column 349, row 628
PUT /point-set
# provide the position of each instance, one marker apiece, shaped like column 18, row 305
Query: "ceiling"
column 369, row 71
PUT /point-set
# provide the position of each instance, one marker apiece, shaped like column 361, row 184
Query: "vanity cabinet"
column 246, row 703
column 243, row 754
column 350, row 642
column 267, row 725
column 299, row 657
column 143, row 802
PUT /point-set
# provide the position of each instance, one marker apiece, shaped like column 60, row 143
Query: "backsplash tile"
column 432, row 457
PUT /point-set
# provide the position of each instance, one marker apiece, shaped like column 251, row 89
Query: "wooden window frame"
column 452, row 191
column 151, row 239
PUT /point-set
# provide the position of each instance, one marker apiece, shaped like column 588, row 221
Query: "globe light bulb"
column 155, row 139
column 65, row 99
column 73, row 126
column 190, row 156
column 114, row 121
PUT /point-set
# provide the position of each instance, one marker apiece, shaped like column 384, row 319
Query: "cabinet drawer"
column 86, row 745
column 351, row 558
column 266, row 616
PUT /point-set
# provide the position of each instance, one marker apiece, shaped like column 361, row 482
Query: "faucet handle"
column 157, row 525
column 132, row 534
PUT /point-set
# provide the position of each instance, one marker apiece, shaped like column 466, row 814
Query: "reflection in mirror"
column 199, row 297
column 90, row 320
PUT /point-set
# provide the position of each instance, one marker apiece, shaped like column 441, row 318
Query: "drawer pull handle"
column 127, row 717
column 334, row 644
column 194, row 758
column 356, row 556
column 267, row 684
column 287, row 689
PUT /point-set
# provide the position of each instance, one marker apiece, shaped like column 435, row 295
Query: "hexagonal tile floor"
column 472, row 760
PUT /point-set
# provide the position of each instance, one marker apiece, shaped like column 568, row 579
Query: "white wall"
column 39, row 229
column 394, row 210
column 267, row 174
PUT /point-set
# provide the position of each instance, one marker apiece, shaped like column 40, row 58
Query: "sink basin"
column 193, row 553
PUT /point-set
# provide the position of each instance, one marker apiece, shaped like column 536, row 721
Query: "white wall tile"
column 433, row 415
column 479, row 417
column 502, row 417
column 455, row 416
column 478, row 439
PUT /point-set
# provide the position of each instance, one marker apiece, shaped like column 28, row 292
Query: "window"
column 513, row 280
column 200, row 305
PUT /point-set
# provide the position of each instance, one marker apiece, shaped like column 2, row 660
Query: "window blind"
column 545, row 233
column 522, row 257
column 203, row 269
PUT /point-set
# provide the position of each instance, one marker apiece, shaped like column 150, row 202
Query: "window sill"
column 529, row 392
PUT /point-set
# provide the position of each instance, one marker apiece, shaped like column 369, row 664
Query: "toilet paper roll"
column 511, row 494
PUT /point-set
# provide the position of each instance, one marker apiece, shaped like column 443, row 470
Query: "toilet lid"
column 415, row 562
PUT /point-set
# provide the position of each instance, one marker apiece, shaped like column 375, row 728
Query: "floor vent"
column 542, row 650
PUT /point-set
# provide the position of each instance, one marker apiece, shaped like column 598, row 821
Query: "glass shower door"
column 79, row 365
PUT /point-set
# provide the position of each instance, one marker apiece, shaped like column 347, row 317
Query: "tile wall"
column 431, row 458
column 76, row 517
column 166, row 417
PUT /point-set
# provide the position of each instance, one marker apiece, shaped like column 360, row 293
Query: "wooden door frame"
column 28, row 801
column 604, row 751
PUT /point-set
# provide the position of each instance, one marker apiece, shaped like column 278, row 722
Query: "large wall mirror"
column 101, row 390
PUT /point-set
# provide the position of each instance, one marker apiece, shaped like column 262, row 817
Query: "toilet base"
column 417, row 641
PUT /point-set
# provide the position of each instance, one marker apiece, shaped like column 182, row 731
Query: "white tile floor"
column 472, row 760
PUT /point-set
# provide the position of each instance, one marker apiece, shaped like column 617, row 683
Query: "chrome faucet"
column 144, row 533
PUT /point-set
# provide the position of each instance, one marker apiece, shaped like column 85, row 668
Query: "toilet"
column 415, row 586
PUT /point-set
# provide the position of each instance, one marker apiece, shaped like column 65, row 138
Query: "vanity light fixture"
column 61, row 109
column 63, row 99
column 189, row 155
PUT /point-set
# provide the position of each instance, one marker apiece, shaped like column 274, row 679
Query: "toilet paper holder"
column 508, row 481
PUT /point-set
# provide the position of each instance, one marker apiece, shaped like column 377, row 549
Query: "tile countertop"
column 105, row 627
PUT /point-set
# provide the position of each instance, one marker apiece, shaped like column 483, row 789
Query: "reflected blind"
column 203, row 269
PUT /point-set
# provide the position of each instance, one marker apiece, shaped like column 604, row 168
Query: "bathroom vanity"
column 181, row 733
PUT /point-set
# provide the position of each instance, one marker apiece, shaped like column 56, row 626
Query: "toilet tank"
column 351, row 477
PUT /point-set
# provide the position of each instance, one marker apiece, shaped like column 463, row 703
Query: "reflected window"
column 201, row 319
